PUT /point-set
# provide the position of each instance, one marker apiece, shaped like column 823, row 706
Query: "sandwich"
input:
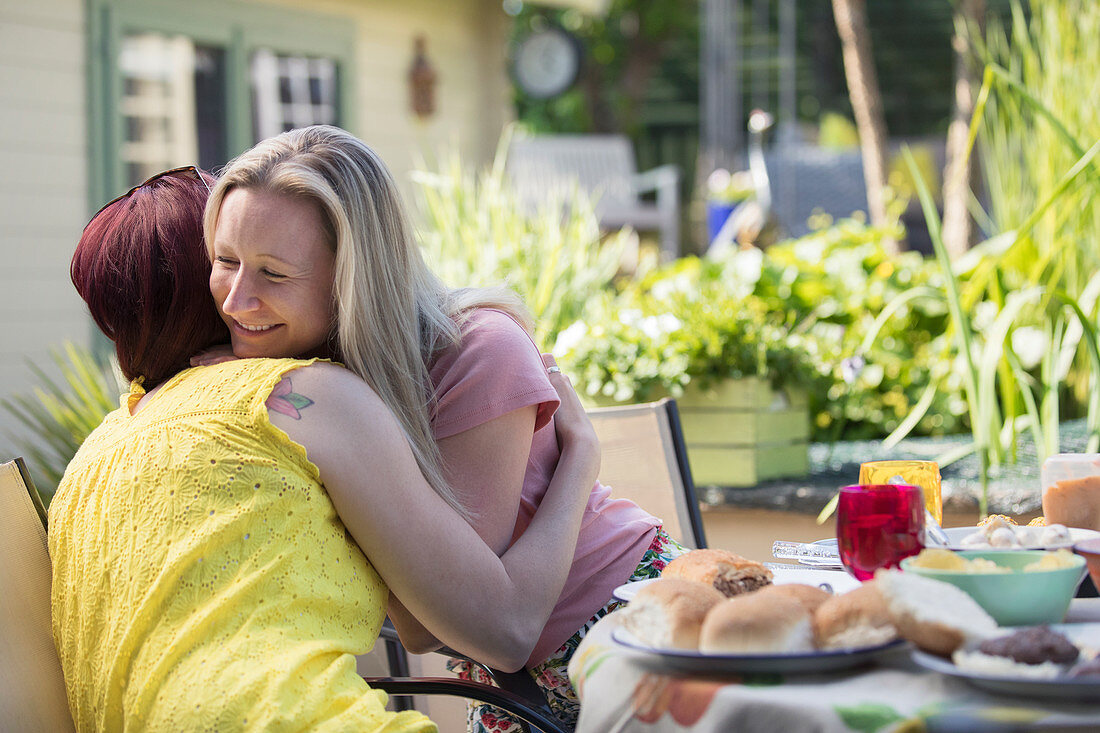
column 936, row 616
column 728, row 573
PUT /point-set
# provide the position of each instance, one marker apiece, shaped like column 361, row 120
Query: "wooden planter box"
column 741, row 432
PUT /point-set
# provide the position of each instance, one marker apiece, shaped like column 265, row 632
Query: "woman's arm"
column 490, row 391
column 485, row 466
column 427, row 554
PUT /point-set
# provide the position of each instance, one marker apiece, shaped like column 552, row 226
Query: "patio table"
column 621, row 692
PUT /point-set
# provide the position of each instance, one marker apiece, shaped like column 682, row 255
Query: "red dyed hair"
column 142, row 268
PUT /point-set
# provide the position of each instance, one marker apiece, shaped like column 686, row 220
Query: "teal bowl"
column 1017, row 598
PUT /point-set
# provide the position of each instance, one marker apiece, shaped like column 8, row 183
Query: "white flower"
column 851, row 368
column 809, row 249
column 569, row 338
column 1030, row 344
column 747, row 266
column 872, row 375
column 983, row 315
column 658, row 326
column 667, row 287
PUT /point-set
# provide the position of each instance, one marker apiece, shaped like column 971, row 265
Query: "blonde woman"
column 457, row 367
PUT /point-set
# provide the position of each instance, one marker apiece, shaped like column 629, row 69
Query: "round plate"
column 840, row 581
column 683, row 660
column 627, row 591
column 1059, row 688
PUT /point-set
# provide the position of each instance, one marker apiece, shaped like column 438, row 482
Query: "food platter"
column 839, row 581
column 685, row 660
column 955, row 536
column 1085, row 689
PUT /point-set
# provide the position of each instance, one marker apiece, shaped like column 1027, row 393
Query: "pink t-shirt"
column 497, row 369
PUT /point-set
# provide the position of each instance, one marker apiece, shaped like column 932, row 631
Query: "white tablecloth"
column 619, row 693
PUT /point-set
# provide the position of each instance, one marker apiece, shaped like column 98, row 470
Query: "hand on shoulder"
column 214, row 355
column 571, row 423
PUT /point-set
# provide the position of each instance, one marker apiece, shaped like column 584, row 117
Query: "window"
column 291, row 91
column 171, row 104
column 198, row 82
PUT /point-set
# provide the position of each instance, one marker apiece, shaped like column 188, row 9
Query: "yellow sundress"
column 202, row 579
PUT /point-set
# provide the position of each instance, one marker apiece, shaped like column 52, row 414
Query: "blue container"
column 717, row 213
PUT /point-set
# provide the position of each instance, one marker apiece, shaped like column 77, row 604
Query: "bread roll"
column 730, row 574
column 668, row 612
column 757, row 623
column 854, row 619
column 936, row 616
column 810, row 596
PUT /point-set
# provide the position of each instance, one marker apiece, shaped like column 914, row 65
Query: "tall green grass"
column 1036, row 127
column 59, row 413
column 1039, row 118
column 477, row 233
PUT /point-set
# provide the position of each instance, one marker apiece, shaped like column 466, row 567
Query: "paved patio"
column 1013, row 488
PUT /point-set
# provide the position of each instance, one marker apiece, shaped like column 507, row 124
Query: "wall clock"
column 546, row 62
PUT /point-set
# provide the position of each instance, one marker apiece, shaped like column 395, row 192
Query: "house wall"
column 466, row 46
column 43, row 185
column 44, row 188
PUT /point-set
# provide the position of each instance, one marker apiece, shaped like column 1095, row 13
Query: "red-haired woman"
column 204, row 576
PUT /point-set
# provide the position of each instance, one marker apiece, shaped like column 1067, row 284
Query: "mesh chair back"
column 644, row 460
column 548, row 166
column 32, row 689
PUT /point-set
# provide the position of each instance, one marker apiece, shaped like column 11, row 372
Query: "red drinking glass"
column 877, row 526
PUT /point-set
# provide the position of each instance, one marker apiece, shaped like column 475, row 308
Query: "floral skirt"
column 551, row 675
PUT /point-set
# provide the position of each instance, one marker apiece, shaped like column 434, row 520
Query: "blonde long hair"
column 392, row 312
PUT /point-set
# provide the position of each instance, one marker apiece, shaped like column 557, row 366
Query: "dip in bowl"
column 998, row 581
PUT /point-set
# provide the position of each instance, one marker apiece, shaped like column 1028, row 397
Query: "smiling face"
column 272, row 274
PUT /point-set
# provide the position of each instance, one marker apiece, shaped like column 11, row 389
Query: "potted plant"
column 738, row 370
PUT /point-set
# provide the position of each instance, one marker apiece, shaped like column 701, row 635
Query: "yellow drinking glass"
column 925, row 474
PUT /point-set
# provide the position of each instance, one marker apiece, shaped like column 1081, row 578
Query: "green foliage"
column 1030, row 287
column 1036, row 121
column 798, row 313
column 682, row 325
column 60, row 414
column 477, row 234
column 834, row 281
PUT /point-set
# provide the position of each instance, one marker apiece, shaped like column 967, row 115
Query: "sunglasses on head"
column 185, row 170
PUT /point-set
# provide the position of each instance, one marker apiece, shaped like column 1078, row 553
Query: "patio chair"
column 644, row 460
column 32, row 688
column 545, row 167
